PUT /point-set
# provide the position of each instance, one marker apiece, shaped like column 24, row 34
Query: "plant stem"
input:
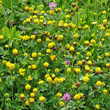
column 11, row 9
column 5, row 16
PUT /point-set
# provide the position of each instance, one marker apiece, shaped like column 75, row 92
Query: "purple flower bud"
column 67, row 62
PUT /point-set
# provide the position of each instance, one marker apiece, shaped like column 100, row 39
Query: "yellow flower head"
column 41, row 99
column 27, row 87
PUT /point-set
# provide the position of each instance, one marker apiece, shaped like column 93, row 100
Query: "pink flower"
column 52, row 5
column 67, row 62
column 34, row 32
column 66, row 97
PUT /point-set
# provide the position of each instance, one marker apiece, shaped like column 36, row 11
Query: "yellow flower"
column 99, row 57
column 67, row 16
column 41, row 82
column 6, row 46
column 34, row 55
column 107, row 54
column 22, row 96
column 41, row 99
column 73, row 86
column 89, row 62
column 39, row 54
column 49, row 22
column 32, row 95
column 97, row 106
column 34, row 67
column 27, row 87
column 60, row 24
column 35, row 90
column 34, row 12
column 103, row 12
column 77, row 97
column 50, row 45
column 47, row 75
column 2, row 74
column 86, row 79
column 71, row 25
column 15, row 52
column 56, row 80
column 41, row 21
column 48, row 40
column 36, row 21
column 102, row 28
column 97, row 70
column 65, row 25
column 29, row 78
column 28, row 20
column 86, row 42
column 107, row 65
column 51, row 12
column 81, row 95
column 4, row 61
column 102, row 39
column 56, row 70
column 35, row 18
column 88, row 53
column 24, row 23
column 10, row 65
column 77, row 70
column 61, row 103
column 25, row 54
column 67, row 46
column 86, row 27
column 30, row 17
column 46, row 64
column 48, row 70
column 29, row 67
column 92, row 41
column 103, row 84
column 39, row 40
column 59, row 9
column 3, row 29
column 99, row 83
column 68, row 70
column 107, row 34
column 52, row 57
column 60, row 80
column 71, row 49
column 12, row 78
column 26, row 8
column 70, row 54
column 79, row 63
column 75, row 35
column 6, row 95
column 100, row 45
column 41, row 17
column 31, row 100
column 104, row 21
column 105, row 91
column 27, row 103
column 60, row 36
column 42, row 12
column 32, row 37
column 59, row 95
column 49, row 79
